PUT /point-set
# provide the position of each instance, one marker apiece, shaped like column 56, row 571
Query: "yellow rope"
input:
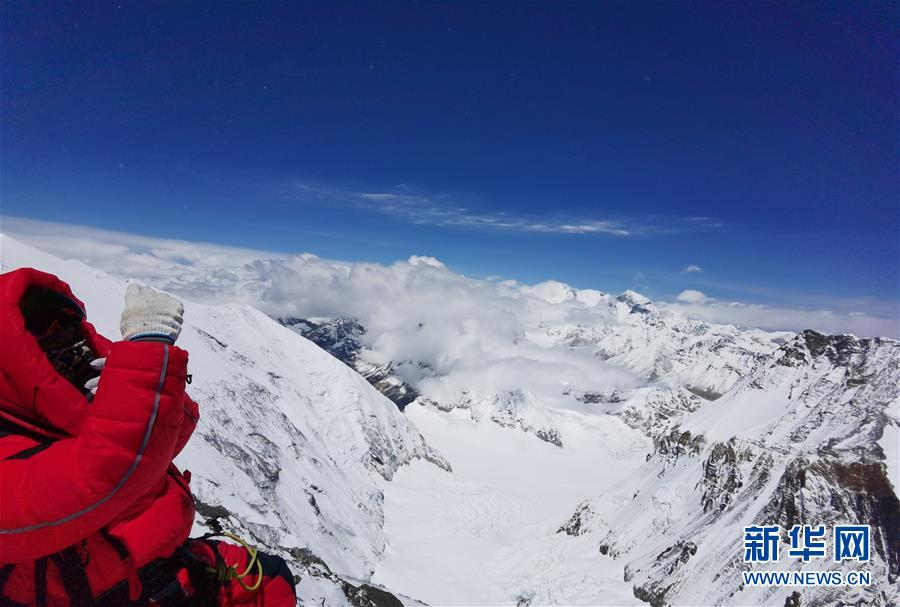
column 225, row 573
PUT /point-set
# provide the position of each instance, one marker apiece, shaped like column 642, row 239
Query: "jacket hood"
column 30, row 388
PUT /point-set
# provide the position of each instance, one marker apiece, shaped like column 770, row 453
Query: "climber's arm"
column 61, row 494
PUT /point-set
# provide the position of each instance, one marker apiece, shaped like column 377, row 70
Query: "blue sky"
column 607, row 145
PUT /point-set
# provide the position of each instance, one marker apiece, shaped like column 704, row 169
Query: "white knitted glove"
column 150, row 315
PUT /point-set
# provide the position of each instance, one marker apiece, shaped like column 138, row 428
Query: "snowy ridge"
column 620, row 350
column 664, row 346
column 796, row 442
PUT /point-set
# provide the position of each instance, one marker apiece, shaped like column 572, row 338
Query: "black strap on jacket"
column 206, row 585
column 29, row 451
column 159, row 582
column 74, row 577
column 40, row 582
column 117, row 544
column 71, row 571
column 8, row 427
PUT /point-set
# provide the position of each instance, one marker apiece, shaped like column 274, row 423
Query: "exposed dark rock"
column 259, row 459
column 677, row 554
column 214, row 343
column 656, row 592
column 578, row 523
column 365, row 595
column 549, row 435
column 661, row 412
column 358, row 594
column 702, row 393
column 855, row 381
column 651, row 594
column 857, row 492
column 838, row 349
column 383, row 379
column 794, row 600
column 338, row 337
column 311, row 499
column 503, row 412
column 211, row 512
column 722, row 475
column 594, row 398
column 677, row 444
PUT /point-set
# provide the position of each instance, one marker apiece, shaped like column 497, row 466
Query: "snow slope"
column 488, row 530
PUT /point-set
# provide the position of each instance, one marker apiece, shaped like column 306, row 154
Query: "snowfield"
column 489, row 529
column 408, row 434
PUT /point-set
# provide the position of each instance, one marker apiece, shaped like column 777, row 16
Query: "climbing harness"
column 225, row 573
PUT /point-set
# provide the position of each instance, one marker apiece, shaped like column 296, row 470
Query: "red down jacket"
column 89, row 485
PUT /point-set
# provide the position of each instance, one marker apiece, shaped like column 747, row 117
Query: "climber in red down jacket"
column 92, row 510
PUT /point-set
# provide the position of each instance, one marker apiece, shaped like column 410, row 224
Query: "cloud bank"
column 694, row 304
column 458, row 315
column 413, row 310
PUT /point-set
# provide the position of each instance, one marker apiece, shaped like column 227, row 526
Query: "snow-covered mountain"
column 665, row 347
column 674, row 362
column 797, row 411
column 529, row 445
column 809, row 437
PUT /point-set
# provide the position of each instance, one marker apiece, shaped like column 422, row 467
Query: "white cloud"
column 705, row 222
column 461, row 318
column 415, row 310
column 784, row 318
column 424, row 260
column 378, row 197
column 423, row 208
column 415, row 206
column 692, row 296
column 692, row 269
column 551, row 291
column 593, row 227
